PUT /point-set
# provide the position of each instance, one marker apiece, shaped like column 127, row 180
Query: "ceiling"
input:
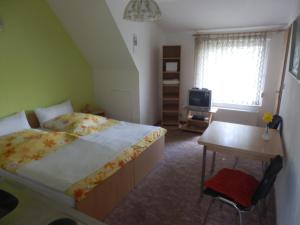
column 193, row 15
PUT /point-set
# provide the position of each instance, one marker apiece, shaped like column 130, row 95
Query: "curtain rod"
column 270, row 29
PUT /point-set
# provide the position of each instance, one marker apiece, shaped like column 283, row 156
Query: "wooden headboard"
column 32, row 119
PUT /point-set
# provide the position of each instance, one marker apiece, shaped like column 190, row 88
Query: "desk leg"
column 212, row 169
column 203, row 171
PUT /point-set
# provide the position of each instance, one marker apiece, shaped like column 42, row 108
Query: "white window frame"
column 240, row 107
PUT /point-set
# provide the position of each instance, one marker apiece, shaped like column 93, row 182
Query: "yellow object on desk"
column 267, row 117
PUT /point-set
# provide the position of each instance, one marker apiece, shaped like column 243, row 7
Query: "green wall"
column 39, row 63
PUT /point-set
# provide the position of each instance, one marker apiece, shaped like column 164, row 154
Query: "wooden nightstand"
column 98, row 112
column 198, row 125
column 89, row 109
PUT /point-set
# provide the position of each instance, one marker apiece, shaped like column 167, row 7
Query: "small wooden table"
column 239, row 140
column 198, row 126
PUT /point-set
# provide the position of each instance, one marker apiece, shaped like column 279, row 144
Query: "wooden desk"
column 239, row 140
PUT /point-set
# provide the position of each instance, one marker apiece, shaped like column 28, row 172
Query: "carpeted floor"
column 169, row 194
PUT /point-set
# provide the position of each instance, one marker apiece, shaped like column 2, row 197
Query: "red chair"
column 240, row 190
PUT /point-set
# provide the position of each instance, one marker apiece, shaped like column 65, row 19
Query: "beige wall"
column 288, row 183
column 274, row 68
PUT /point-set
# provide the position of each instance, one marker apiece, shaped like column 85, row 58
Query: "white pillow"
column 45, row 114
column 14, row 123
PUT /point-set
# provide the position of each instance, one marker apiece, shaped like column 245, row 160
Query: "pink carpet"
column 169, row 194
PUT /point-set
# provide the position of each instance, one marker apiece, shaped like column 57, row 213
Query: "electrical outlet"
column 134, row 42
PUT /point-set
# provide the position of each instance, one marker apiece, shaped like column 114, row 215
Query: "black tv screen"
column 200, row 98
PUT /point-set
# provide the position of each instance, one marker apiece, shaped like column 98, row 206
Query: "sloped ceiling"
column 92, row 27
column 187, row 15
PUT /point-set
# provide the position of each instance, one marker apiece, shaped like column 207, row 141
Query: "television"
column 199, row 99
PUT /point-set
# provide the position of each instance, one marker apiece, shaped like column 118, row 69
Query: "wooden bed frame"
column 104, row 197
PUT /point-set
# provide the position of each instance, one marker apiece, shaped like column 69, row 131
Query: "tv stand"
column 197, row 120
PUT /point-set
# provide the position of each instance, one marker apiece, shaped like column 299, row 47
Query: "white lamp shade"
column 142, row 11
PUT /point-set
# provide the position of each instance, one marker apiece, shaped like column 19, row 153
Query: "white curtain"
column 232, row 66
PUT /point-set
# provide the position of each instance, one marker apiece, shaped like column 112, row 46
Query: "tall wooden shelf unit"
column 170, row 85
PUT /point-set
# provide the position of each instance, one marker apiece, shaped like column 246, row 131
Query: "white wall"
column 274, row 71
column 288, row 182
column 116, row 79
column 146, row 57
column 117, row 95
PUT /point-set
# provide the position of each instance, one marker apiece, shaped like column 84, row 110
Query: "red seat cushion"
column 234, row 184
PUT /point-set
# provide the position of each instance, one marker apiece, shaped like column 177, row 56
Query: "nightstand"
column 98, row 112
column 196, row 123
column 89, row 109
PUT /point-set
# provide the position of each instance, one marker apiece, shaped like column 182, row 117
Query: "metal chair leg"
column 207, row 212
column 212, row 169
column 264, row 207
column 258, row 216
column 236, row 161
column 241, row 217
column 203, row 171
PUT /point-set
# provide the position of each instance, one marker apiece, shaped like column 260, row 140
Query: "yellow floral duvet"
column 23, row 147
column 19, row 149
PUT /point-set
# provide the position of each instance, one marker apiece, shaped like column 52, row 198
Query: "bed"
column 104, row 196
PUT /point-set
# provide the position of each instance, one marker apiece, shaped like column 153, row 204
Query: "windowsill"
column 238, row 110
column 253, row 109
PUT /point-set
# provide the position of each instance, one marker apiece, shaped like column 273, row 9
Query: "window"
column 232, row 66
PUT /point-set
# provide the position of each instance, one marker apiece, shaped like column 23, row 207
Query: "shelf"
column 171, row 107
column 170, row 92
column 171, row 51
column 171, row 76
column 198, row 124
column 170, row 111
column 170, row 72
column 171, row 98
column 195, row 125
column 212, row 110
column 173, row 88
column 171, row 58
column 195, row 129
column 170, row 117
column 170, row 123
column 190, row 117
column 171, row 85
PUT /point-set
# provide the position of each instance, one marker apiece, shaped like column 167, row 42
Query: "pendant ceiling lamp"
column 142, row 11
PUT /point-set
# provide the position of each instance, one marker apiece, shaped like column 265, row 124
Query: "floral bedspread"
column 20, row 148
